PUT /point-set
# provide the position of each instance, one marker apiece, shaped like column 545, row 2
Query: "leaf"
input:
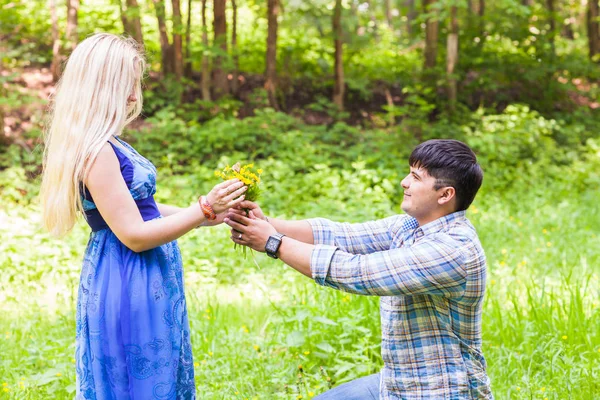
column 325, row 321
column 326, row 347
column 295, row 339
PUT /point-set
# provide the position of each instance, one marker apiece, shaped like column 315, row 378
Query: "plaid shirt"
column 432, row 281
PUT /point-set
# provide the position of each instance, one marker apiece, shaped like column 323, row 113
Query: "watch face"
column 271, row 246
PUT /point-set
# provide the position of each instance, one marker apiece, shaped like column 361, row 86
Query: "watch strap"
column 278, row 236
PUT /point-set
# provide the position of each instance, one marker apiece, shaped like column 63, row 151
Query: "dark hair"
column 451, row 163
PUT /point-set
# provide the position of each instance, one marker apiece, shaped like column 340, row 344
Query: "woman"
column 133, row 339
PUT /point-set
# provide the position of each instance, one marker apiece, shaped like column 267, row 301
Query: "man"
column 428, row 266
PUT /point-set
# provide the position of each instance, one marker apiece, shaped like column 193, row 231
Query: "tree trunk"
column 234, row 49
column 71, row 33
column 411, row 15
column 566, row 30
column 452, row 56
column 552, row 33
column 476, row 12
column 205, row 66
column 3, row 51
column 221, row 85
column 338, row 88
column 388, row 13
column 177, row 40
column 130, row 16
column 271, row 60
column 188, row 41
column 165, row 46
column 592, row 28
column 527, row 3
column 431, row 36
column 55, row 66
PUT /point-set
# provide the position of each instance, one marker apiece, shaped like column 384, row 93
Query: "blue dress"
column 133, row 336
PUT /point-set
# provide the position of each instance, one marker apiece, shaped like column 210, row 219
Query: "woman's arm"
column 119, row 210
column 166, row 209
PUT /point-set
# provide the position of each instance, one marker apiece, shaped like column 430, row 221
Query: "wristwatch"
column 273, row 243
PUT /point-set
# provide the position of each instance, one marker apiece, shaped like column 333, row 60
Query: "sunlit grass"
column 270, row 333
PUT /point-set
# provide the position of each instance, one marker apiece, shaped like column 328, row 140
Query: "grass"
column 270, row 333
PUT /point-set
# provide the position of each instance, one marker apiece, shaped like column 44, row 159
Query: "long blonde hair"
column 89, row 106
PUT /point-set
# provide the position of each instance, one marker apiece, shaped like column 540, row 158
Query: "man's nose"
column 405, row 183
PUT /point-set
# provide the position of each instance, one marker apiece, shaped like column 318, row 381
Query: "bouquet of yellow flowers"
column 249, row 176
column 245, row 173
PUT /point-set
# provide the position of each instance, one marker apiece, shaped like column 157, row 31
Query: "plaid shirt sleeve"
column 364, row 238
column 434, row 265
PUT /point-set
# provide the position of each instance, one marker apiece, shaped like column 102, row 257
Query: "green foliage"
column 270, row 330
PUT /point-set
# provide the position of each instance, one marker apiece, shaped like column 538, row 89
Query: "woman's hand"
column 226, row 195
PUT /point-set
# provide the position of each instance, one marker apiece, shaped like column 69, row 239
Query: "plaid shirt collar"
column 440, row 224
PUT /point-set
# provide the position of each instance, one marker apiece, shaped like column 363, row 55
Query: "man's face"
column 420, row 198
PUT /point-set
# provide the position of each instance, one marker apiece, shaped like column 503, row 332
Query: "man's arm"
column 434, row 266
column 361, row 238
column 299, row 230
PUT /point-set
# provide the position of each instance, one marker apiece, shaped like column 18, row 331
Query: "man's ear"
column 447, row 194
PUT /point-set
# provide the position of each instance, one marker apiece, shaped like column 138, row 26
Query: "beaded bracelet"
column 207, row 209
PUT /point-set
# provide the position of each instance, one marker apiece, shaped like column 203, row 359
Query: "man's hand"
column 250, row 206
column 249, row 231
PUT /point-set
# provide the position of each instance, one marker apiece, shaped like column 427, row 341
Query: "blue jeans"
column 366, row 388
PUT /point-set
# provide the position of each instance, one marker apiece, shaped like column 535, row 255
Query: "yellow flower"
column 196, row 365
column 311, row 394
column 549, row 244
column 518, row 389
column 564, row 337
column 58, row 374
column 256, row 347
column 299, row 396
column 544, row 231
column 493, row 282
column 4, row 384
column 237, row 392
column 260, row 171
column 543, row 389
column 504, row 251
column 306, row 353
column 6, row 389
